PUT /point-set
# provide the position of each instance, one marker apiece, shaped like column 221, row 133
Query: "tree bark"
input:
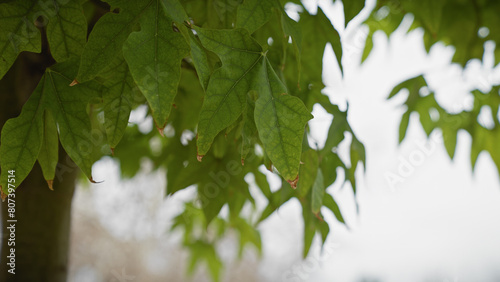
column 42, row 229
column 43, row 216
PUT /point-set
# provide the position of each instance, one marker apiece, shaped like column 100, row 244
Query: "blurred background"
column 421, row 217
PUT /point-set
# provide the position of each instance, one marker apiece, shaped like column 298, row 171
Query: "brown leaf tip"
column 161, row 131
column 112, row 151
column 294, row 182
column 199, row 157
column 318, row 216
column 74, row 82
column 50, row 183
column 95, row 182
column 243, row 162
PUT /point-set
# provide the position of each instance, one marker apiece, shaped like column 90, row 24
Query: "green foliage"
column 231, row 85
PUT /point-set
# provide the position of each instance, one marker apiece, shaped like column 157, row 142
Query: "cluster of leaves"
column 466, row 25
column 432, row 116
column 241, row 76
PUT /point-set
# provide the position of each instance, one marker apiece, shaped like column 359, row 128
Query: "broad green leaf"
column 108, row 36
column 48, row 156
column 252, row 14
column 21, row 140
column 318, row 192
column 154, row 56
column 18, row 32
column 226, row 92
column 117, row 98
column 68, row 104
column 352, row 8
column 280, row 120
column 67, row 31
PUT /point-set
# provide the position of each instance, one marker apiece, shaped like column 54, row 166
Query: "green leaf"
column 280, row 120
column 226, row 92
column 68, row 104
column 202, row 251
column 292, row 29
column 308, row 172
column 18, row 32
column 108, row 35
column 200, row 60
column 67, row 31
column 329, row 202
column 403, row 126
column 48, row 156
column 175, row 11
column 154, row 55
column 248, row 235
column 352, row 8
column 253, row 14
column 318, row 192
column 329, row 164
column 118, row 98
column 21, row 140
column 317, row 31
column 337, row 128
column 249, row 134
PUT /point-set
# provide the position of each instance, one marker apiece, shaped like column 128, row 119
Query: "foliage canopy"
column 241, row 76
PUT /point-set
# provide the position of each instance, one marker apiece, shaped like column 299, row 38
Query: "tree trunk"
column 43, row 216
column 42, row 229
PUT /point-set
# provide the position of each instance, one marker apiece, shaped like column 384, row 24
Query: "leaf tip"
column 112, row 151
column 242, row 162
column 74, row 82
column 294, row 182
column 318, row 216
column 50, row 183
column 95, row 182
column 160, row 130
column 199, row 157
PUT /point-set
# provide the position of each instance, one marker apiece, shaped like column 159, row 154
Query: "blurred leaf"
column 17, row 33
column 318, row 191
column 352, row 9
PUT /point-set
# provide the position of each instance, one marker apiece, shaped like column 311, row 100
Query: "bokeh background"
column 421, row 216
